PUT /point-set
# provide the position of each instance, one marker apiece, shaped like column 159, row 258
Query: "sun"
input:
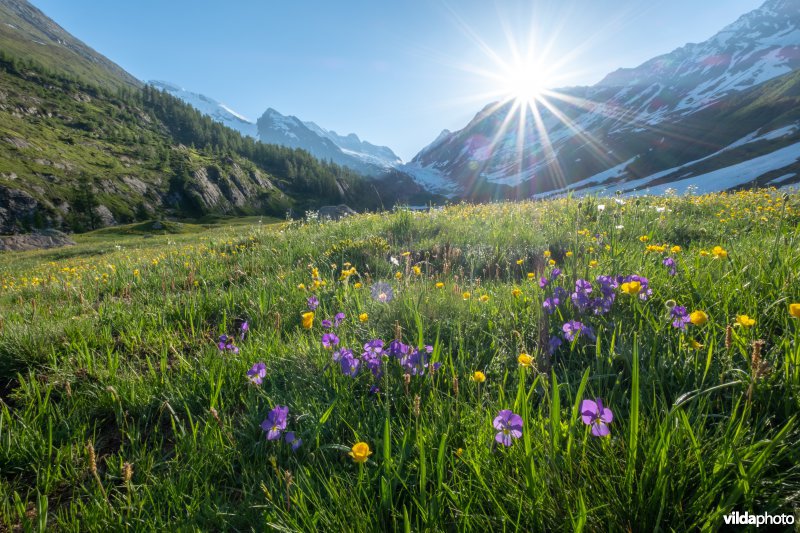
column 525, row 84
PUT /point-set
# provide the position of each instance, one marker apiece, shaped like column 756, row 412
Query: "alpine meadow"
column 579, row 312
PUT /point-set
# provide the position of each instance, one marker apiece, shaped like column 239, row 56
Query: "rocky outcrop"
column 17, row 208
column 35, row 241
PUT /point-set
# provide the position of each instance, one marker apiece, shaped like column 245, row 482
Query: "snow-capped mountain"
column 677, row 115
column 274, row 128
column 216, row 110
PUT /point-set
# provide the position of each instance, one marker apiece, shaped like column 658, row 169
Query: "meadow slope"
column 448, row 378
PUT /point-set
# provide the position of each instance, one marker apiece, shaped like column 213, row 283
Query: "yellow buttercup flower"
column 360, row 452
column 644, row 238
column 478, row 376
column 547, row 254
column 308, row 319
column 551, row 262
column 516, row 292
column 398, row 275
column 698, row 318
column 745, row 321
column 466, row 295
column 794, row 310
column 592, row 263
column 357, row 285
column 484, row 298
column 301, row 286
column 439, row 285
column 719, row 252
column 525, row 360
column 569, row 254
column 675, row 249
column 695, row 345
column 632, row 287
column 417, row 271
column 520, row 261
column 363, row 317
column 531, row 275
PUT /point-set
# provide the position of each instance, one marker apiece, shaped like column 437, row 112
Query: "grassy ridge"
column 109, row 357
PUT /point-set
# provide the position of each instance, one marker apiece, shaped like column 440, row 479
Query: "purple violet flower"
column 292, row 439
column 329, row 340
column 244, row 328
column 349, row 363
column 670, row 262
column 550, row 304
column 226, row 344
column 275, row 422
column 573, row 329
column 543, row 282
column 508, row 426
column 594, row 414
column 338, row 319
column 313, row 303
column 680, row 317
column 553, row 344
column 257, row 373
column 375, row 347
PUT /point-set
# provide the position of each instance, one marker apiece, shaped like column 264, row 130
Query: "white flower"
column 601, row 207
column 619, row 227
column 394, row 261
column 619, row 201
column 660, row 209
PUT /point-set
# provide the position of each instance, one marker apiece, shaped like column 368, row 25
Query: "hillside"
column 26, row 32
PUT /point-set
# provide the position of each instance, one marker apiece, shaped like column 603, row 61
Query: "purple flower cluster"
column 313, row 303
column 275, row 425
column 413, row 361
column 227, row 344
column 335, row 323
column 680, row 316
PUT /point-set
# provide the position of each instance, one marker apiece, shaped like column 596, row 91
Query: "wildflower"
column 360, row 452
column 525, row 360
column 632, row 287
column 327, row 324
column 398, row 275
column 675, row 249
column 313, row 303
column 670, row 263
column 244, row 328
column 704, row 253
column 644, row 238
column 509, row 426
column 382, row 292
column 516, row 292
column 543, row 282
column 680, row 316
column 593, row 263
column 594, row 414
column 329, row 340
column 465, row 295
column 719, row 252
column 645, row 291
column 745, row 321
column 308, row 319
column 416, row 270
column 520, row 261
column 363, row 317
column 531, row 275
column 484, row 298
column 550, row 304
column 573, row 329
column 569, row 254
column 698, row 318
column 257, row 373
column 459, row 452
column 301, row 286
column 794, row 310
column 338, row 319
column 357, row 285
column 136, row 272
column 695, row 345
column 553, row 344
column 227, row 344
column 292, row 439
column 547, row 254
column 275, row 422
column 439, row 285
column 478, row 376
column 348, row 362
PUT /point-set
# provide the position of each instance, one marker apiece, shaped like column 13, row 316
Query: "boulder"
column 35, row 241
column 335, row 212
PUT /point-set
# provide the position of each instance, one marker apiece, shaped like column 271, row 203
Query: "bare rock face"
column 335, row 212
column 16, row 208
column 105, row 215
column 35, row 241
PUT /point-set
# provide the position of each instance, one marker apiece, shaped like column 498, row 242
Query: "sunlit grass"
column 113, row 343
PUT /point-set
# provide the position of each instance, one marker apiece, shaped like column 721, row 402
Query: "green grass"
column 113, row 343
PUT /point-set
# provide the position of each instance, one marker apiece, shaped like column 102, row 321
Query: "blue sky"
column 395, row 73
